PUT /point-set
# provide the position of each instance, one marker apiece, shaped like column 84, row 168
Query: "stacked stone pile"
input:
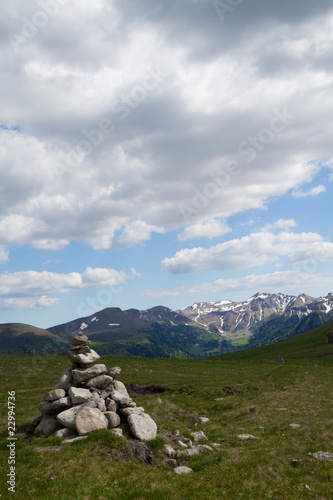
column 88, row 396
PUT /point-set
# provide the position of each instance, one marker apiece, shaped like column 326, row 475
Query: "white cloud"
column 28, row 284
column 254, row 250
column 69, row 174
column 311, row 192
column 208, row 229
column 30, row 302
column 284, row 281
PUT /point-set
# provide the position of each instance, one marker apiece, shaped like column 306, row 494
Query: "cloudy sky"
column 163, row 152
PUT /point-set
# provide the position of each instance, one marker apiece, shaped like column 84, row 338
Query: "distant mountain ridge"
column 228, row 317
column 204, row 327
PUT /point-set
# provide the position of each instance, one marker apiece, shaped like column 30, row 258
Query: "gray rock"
column 170, row 451
column 101, row 405
column 204, row 420
column 322, row 455
column 100, row 381
column 182, row 470
column 118, row 432
column 171, row 462
column 90, row 419
column 65, row 380
column 246, row 436
column 113, row 419
column 83, row 359
column 122, row 400
column 142, row 426
column 294, row 426
column 67, row 417
column 195, row 450
column 120, row 387
column 197, row 436
column 126, row 412
column 65, row 432
column 47, row 426
column 111, row 405
column 55, row 394
column 81, row 375
column 114, row 371
column 78, row 395
column 54, row 406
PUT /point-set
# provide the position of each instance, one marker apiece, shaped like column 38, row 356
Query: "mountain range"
column 204, row 327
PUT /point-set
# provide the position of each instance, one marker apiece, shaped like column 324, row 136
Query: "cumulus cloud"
column 285, row 281
column 208, row 229
column 255, row 250
column 142, row 116
column 20, row 289
column 3, row 255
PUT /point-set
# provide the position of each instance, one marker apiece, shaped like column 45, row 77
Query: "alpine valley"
column 193, row 332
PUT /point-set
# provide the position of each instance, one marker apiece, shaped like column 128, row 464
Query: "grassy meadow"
column 238, row 397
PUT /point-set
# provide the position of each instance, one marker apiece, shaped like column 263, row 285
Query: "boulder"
column 197, row 436
column 83, row 359
column 65, row 432
column 67, row 417
column 113, row 419
column 54, row 406
column 65, row 380
column 195, row 450
column 142, row 426
column 100, row 381
column 111, row 405
column 81, row 375
column 55, row 394
column 47, row 426
column 126, row 412
column 120, row 387
column 78, row 395
column 122, row 400
column 90, row 419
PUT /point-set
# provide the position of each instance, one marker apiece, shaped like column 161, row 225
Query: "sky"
column 163, row 152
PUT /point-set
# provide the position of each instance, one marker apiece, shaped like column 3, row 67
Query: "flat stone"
column 120, row 387
column 123, row 401
column 114, row 371
column 84, row 359
column 204, row 420
column 197, row 436
column 65, row 380
column 78, row 395
column 80, row 339
column 322, row 455
column 182, row 470
column 113, row 419
column 67, row 417
column 90, row 419
column 142, row 426
column 126, row 412
column 294, row 426
column 54, row 406
column 246, row 436
column 72, row 440
column 81, row 375
column 55, row 394
column 100, row 381
column 47, row 426
column 195, row 450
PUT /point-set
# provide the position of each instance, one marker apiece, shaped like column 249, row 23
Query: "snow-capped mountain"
column 228, row 317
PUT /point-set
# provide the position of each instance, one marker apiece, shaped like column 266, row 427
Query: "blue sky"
column 163, row 152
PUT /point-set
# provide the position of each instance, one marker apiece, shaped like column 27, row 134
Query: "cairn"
column 88, row 396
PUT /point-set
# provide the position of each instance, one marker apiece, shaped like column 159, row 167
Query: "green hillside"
column 19, row 338
column 308, row 345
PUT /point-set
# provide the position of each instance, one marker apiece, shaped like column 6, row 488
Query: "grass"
column 259, row 399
